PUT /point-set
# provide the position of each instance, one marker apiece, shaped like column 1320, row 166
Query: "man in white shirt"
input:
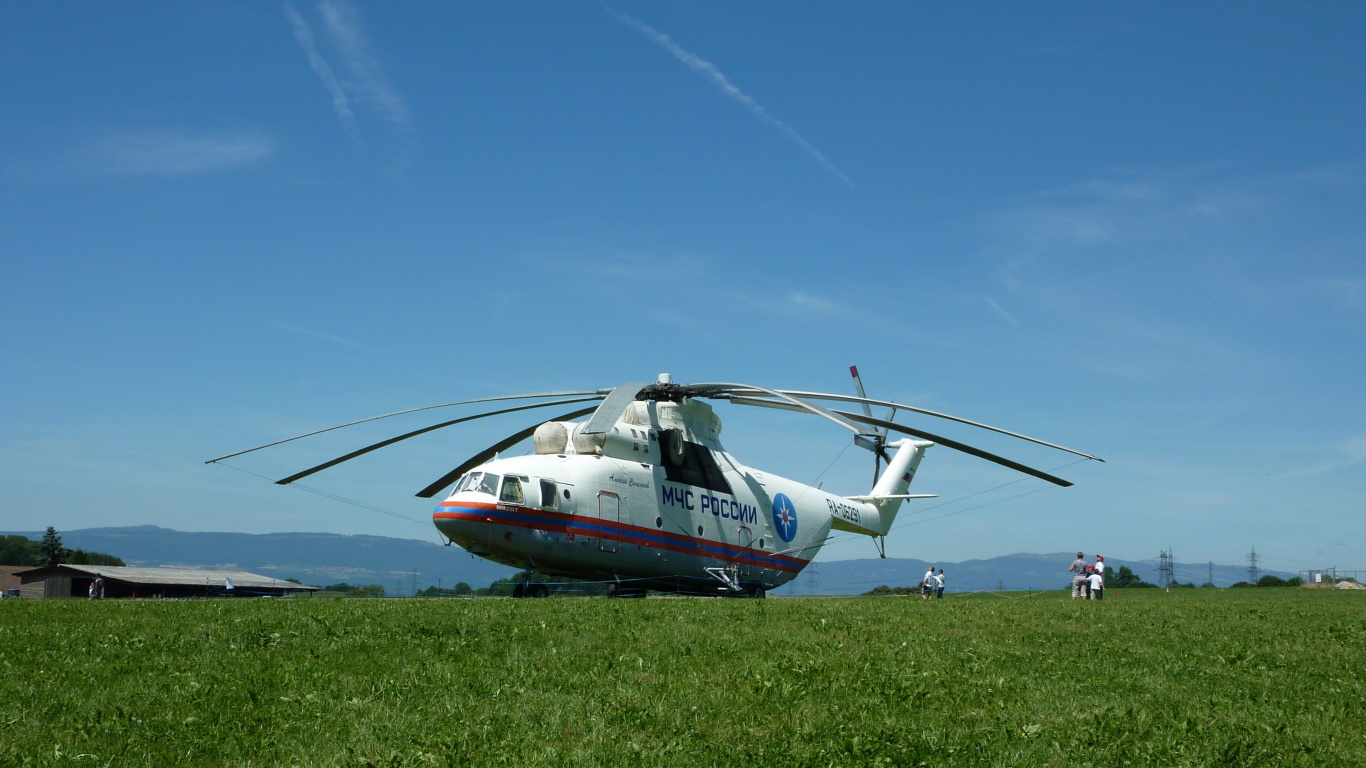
column 939, row 585
column 927, row 584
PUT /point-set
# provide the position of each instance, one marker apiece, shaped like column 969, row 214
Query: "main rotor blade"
column 720, row 390
column 490, row 452
column 567, row 393
column 913, row 409
column 415, row 433
column 613, row 406
column 944, row 441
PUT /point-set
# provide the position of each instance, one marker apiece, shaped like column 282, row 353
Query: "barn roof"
column 181, row 576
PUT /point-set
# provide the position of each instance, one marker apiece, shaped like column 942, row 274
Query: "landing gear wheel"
column 758, row 593
column 539, row 590
column 519, row 590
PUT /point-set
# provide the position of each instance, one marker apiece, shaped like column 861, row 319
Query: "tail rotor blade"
column 490, row 452
column 880, row 453
column 863, row 396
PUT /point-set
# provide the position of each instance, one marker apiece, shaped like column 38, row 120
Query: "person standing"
column 97, row 586
column 1078, row 571
column 927, row 584
column 1096, row 583
column 939, row 585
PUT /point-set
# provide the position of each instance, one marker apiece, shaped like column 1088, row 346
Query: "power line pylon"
column 1164, row 569
column 1252, row 569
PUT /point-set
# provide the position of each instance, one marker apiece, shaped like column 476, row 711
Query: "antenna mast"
column 1164, row 569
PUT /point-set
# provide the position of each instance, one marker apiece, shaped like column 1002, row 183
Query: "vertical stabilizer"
column 897, row 479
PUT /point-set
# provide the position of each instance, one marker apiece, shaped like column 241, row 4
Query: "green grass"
column 1147, row 678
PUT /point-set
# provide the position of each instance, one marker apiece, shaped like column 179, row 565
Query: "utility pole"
column 1252, row 570
column 1164, row 569
column 1210, row 581
column 414, row 582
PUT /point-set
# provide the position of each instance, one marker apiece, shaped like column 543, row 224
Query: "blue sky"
column 1136, row 230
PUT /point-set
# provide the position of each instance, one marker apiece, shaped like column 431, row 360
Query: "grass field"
column 1193, row 677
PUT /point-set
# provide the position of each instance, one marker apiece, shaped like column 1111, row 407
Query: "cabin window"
column 548, row 498
column 512, row 491
column 486, row 484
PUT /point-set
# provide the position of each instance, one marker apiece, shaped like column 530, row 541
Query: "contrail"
column 707, row 70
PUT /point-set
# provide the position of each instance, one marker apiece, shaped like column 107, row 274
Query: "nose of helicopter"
column 461, row 523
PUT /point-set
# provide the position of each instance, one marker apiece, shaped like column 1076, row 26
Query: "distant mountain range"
column 328, row 558
column 313, row 558
column 1011, row 572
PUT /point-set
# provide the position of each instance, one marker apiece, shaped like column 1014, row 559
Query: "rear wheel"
column 539, row 590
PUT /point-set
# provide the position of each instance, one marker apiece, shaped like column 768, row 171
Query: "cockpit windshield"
column 477, row 482
column 487, row 484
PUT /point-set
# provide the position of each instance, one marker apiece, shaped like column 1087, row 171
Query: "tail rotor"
column 876, row 442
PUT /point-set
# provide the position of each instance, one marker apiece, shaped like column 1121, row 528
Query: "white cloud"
column 175, row 153
column 1346, row 293
column 363, row 83
column 343, row 27
column 992, row 303
column 340, row 103
column 1348, row 453
column 714, row 75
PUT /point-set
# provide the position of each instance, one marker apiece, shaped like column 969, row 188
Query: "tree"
column 1125, row 578
column 18, row 550
column 50, row 549
column 81, row 557
column 356, row 590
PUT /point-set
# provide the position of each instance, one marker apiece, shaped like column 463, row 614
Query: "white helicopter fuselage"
column 655, row 503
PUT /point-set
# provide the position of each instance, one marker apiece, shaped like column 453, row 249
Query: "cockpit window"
column 464, row 482
column 486, row 484
column 512, row 491
column 549, row 499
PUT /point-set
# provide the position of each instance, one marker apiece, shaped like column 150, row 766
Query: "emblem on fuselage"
column 784, row 517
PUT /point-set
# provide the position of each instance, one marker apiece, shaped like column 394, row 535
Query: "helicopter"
column 643, row 496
